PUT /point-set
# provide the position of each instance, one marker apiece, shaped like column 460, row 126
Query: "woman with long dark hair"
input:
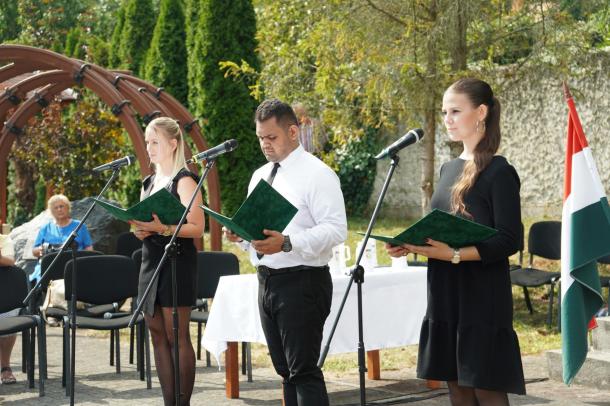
column 467, row 337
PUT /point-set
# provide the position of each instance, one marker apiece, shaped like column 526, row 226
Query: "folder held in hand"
column 441, row 226
column 264, row 209
column 162, row 203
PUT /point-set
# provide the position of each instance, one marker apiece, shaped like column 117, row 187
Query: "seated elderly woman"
column 7, row 342
column 55, row 232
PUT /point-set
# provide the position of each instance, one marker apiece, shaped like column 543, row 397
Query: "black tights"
column 161, row 332
column 465, row 396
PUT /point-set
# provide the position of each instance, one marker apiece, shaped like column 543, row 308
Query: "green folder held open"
column 441, row 226
column 162, row 203
column 264, row 209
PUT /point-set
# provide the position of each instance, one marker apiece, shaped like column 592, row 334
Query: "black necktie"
column 270, row 178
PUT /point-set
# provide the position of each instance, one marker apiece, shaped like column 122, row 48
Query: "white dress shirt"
column 320, row 223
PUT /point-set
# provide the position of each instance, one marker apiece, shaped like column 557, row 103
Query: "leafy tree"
column 166, row 59
column 114, row 57
column 226, row 31
column 137, row 32
column 9, row 20
column 191, row 19
column 65, row 145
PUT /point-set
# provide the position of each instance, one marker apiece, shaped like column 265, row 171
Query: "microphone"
column 409, row 138
column 117, row 163
column 212, row 153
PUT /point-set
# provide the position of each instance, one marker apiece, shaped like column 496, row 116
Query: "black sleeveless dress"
column 153, row 248
column 467, row 334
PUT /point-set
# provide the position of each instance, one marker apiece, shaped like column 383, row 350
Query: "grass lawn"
column 534, row 334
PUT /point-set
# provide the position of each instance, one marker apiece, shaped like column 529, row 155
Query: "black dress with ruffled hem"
column 467, row 334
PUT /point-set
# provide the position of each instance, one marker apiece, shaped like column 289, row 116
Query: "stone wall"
column 534, row 125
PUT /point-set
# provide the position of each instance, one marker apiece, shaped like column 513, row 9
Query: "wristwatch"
column 286, row 245
column 456, row 256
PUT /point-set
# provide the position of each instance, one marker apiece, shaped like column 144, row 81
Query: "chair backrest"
column 58, row 269
column 604, row 260
column 13, row 288
column 211, row 265
column 127, row 243
column 137, row 258
column 102, row 279
column 545, row 240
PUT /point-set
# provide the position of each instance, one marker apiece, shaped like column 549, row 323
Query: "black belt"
column 266, row 271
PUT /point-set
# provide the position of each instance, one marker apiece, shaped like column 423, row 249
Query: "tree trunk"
column 459, row 50
column 431, row 108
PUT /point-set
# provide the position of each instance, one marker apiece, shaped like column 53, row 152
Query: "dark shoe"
column 7, row 376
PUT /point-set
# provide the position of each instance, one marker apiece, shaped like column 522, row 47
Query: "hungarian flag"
column 585, row 237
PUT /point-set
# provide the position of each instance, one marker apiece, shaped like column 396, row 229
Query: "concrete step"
column 595, row 372
column 601, row 335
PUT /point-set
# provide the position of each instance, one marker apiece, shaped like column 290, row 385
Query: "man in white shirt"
column 295, row 287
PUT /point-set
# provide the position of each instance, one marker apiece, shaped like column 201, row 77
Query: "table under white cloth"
column 394, row 304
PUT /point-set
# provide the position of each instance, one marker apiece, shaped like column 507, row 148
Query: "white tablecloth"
column 394, row 304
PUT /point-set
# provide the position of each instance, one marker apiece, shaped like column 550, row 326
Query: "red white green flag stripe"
column 585, row 237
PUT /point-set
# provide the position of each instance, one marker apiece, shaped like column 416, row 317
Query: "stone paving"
column 98, row 384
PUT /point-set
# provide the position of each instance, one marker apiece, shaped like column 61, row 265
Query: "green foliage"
column 114, row 55
column 191, row 20
column 65, row 145
column 9, row 20
column 46, row 23
column 226, row 32
column 166, row 59
column 41, row 197
column 137, row 32
column 357, row 168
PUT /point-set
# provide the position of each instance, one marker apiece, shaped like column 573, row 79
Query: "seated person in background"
column 55, row 232
column 7, row 342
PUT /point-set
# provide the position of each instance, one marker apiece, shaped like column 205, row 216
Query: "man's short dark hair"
column 283, row 112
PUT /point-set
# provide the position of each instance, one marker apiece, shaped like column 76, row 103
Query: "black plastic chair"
column 211, row 265
column 514, row 267
column 103, row 279
column 127, row 243
column 544, row 241
column 13, row 290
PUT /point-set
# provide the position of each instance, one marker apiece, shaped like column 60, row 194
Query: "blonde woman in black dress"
column 467, row 336
column 165, row 147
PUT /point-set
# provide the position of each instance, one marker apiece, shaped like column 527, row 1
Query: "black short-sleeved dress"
column 153, row 248
column 467, row 334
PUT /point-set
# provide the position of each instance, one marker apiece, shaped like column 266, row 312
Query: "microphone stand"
column 70, row 242
column 170, row 251
column 357, row 275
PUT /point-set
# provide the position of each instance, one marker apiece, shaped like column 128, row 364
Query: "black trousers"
column 293, row 306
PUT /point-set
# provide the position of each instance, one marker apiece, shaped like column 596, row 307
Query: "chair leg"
column 243, row 358
column 249, row 361
column 42, row 357
column 147, row 354
column 43, row 329
column 208, row 361
column 131, row 338
column 140, row 345
column 31, row 351
column 551, row 297
column 24, row 359
column 117, row 343
column 198, row 340
column 112, row 348
column 528, row 303
column 559, row 306
column 64, row 362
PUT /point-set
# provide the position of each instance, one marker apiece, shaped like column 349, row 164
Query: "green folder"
column 264, row 209
column 441, row 226
column 162, row 203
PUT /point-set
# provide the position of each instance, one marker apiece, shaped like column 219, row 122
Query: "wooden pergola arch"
column 51, row 73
